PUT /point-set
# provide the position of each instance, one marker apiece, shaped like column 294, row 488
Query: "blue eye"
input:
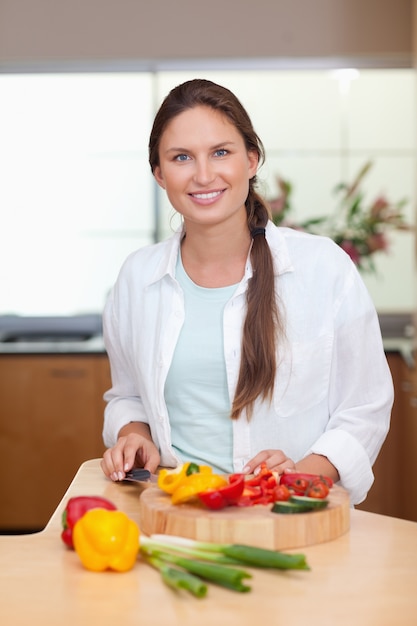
column 221, row 152
column 181, row 157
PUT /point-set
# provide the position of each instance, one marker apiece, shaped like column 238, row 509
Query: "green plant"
column 360, row 229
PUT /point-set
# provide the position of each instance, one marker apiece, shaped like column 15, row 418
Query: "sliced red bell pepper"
column 265, row 488
column 224, row 496
column 260, row 476
column 251, row 491
column 75, row 509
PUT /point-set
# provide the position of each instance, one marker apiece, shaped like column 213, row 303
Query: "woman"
column 235, row 342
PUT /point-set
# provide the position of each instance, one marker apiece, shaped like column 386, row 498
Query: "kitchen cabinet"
column 51, row 416
column 395, row 486
column 408, row 443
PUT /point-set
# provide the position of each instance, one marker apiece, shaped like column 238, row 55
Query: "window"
column 77, row 195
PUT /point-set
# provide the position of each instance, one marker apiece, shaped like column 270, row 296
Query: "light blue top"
column 196, row 387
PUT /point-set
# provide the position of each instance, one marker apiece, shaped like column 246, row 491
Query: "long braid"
column 258, row 359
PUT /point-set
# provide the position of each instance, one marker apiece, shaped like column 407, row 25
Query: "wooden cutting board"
column 256, row 526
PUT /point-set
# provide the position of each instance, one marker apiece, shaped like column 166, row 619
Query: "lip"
column 206, row 197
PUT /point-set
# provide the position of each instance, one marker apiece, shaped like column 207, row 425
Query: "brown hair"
column 262, row 323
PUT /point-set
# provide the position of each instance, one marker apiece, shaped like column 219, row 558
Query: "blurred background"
column 328, row 85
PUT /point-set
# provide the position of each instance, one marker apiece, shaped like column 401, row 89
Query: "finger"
column 132, row 454
column 286, row 467
column 271, row 458
column 107, row 462
column 147, row 456
column 256, row 462
column 114, row 459
column 153, row 461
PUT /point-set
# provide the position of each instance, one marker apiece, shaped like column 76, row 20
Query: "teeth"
column 206, row 196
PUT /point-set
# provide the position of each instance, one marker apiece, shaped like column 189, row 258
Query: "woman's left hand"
column 274, row 459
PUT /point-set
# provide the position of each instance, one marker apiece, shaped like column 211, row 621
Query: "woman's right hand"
column 133, row 449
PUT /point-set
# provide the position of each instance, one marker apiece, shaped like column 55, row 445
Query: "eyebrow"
column 222, row 144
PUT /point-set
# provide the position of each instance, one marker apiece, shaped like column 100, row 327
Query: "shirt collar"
column 166, row 266
column 275, row 238
column 279, row 249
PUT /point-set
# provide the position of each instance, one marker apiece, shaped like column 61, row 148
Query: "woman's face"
column 205, row 167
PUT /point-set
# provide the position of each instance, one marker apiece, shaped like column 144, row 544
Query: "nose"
column 204, row 172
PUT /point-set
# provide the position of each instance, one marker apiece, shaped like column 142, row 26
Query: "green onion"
column 203, row 555
column 178, row 579
column 229, row 577
column 249, row 555
column 211, row 562
column 259, row 557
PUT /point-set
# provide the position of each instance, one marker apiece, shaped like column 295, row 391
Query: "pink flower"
column 378, row 206
column 377, row 241
column 351, row 250
column 277, row 205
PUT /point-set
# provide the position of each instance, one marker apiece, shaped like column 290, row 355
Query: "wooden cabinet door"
column 395, row 488
column 407, row 476
column 51, row 414
column 384, row 496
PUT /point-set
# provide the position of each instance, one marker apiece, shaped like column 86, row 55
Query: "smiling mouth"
column 207, row 196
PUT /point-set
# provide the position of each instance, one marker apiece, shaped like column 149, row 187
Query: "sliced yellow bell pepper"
column 106, row 540
column 170, row 479
column 195, row 484
column 188, row 480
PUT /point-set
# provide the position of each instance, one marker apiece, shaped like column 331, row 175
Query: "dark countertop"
column 399, row 335
column 406, row 347
column 72, row 334
column 82, row 334
column 95, row 345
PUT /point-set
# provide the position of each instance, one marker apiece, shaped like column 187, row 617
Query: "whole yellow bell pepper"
column 106, row 540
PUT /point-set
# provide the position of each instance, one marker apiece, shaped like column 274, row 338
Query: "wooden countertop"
column 366, row 577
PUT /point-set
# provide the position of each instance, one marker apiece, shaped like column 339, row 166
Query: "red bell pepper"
column 75, row 509
column 224, row 496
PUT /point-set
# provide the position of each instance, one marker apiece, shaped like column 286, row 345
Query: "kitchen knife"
column 140, row 475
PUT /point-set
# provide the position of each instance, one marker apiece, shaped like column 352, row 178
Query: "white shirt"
column 333, row 393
